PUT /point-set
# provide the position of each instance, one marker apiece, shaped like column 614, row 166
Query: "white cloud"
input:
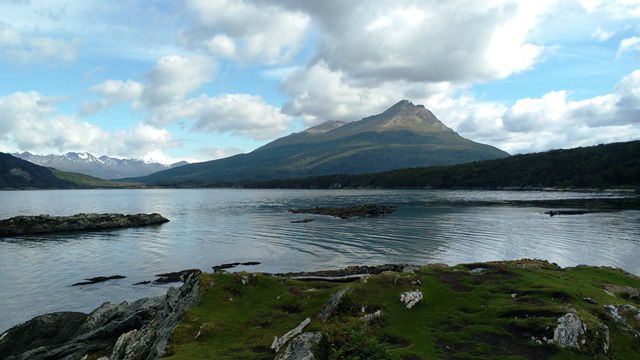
column 113, row 92
column 602, row 35
column 174, row 77
column 629, row 45
column 245, row 30
column 238, row 114
column 318, row 94
column 620, row 9
column 30, row 121
column 29, row 48
column 428, row 41
column 551, row 121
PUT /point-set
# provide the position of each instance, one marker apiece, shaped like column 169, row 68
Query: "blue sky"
column 199, row 80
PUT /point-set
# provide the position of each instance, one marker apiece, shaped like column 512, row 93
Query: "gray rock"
column 332, row 303
column 45, row 224
column 139, row 330
column 301, row 347
column 570, row 331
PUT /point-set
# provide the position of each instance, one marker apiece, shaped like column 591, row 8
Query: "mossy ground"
column 464, row 315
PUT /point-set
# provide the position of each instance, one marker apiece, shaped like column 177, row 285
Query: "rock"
column 279, row 342
column 178, row 276
column 99, row 279
column 411, row 298
column 370, row 210
column 589, row 300
column 139, row 330
column 349, row 270
column 222, row 267
column 301, row 347
column 566, row 212
column 476, row 271
column 410, row 269
column 570, row 332
column 332, row 304
column 368, row 317
column 45, row 224
column 303, row 221
column 627, row 292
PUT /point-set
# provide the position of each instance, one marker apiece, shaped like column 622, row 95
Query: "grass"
column 462, row 316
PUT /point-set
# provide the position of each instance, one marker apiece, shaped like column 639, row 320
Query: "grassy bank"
column 503, row 310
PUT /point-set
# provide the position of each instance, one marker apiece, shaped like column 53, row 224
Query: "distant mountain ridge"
column 104, row 167
column 16, row 173
column 405, row 135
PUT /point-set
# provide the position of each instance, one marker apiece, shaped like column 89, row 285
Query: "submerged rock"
column 98, row 279
column 45, row 224
column 223, row 267
column 139, row 330
column 370, row 210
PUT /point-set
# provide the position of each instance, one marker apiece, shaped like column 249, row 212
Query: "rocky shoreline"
column 522, row 308
column 127, row 331
column 46, row 224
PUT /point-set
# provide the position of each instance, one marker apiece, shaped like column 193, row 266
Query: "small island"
column 46, row 224
column 363, row 210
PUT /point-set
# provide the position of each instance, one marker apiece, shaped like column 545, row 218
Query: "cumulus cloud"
column 30, row 121
column 174, row 77
column 319, row 94
column 550, row 121
column 631, row 44
column 246, row 31
column 415, row 41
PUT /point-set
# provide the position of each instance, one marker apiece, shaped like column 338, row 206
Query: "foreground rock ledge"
column 138, row 330
column 45, row 224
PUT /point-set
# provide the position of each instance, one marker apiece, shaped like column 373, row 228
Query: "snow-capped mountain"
column 103, row 167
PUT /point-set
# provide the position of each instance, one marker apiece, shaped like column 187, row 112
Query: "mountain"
column 103, row 167
column 405, row 135
column 16, row 173
column 614, row 165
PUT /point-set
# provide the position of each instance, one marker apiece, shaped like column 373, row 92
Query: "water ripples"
column 210, row 227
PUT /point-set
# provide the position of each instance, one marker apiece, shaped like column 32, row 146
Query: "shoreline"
column 375, row 285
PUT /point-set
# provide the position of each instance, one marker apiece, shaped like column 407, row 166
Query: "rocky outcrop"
column 363, row 210
column 332, row 304
column 45, row 224
column 349, row 270
column 139, row 330
column 570, row 332
column 411, row 298
column 301, row 347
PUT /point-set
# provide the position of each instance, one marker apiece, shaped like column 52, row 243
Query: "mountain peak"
column 404, row 115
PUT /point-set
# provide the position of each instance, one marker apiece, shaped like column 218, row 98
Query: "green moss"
column 492, row 314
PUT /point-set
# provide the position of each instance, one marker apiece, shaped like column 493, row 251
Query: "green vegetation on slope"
column 86, row 181
column 603, row 166
column 497, row 312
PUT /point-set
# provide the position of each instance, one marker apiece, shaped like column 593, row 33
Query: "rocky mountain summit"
column 403, row 136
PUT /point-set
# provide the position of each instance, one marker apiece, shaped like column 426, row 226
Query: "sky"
column 198, row 80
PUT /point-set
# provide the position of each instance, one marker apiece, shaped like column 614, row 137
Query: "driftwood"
column 279, row 342
column 345, row 278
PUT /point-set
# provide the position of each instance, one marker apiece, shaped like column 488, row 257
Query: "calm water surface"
column 214, row 226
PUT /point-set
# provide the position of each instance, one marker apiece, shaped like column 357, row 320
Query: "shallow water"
column 214, row 226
